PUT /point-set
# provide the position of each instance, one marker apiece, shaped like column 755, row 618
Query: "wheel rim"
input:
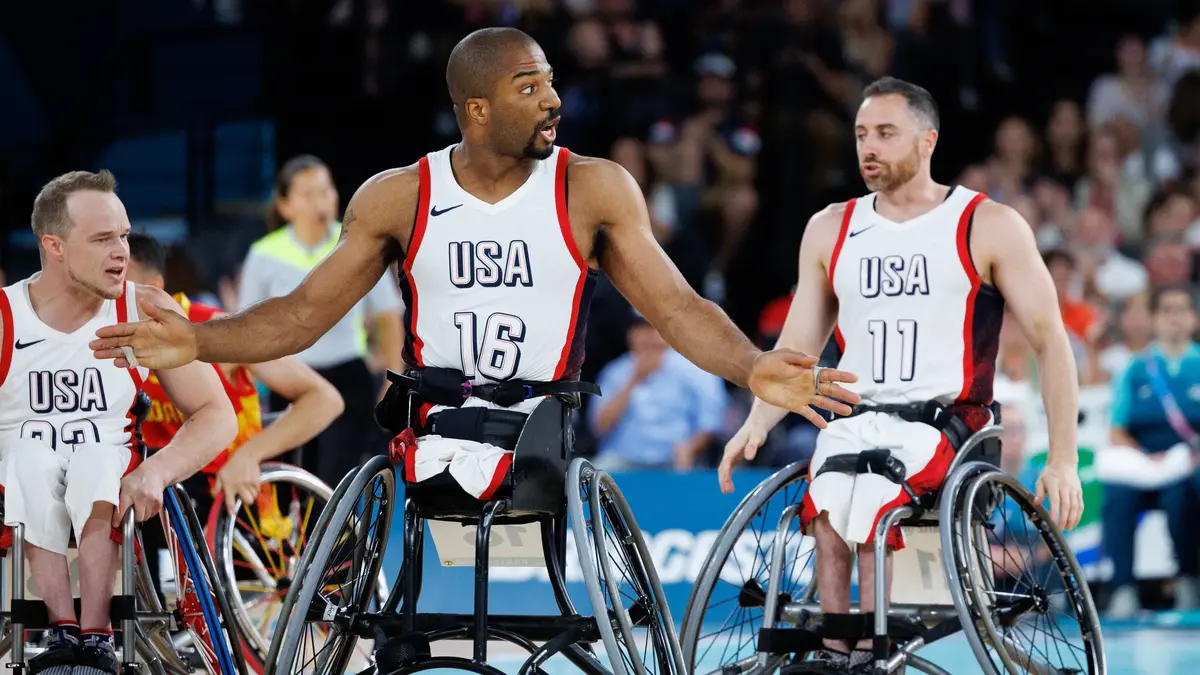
column 734, row 579
column 271, row 559
column 342, row 581
column 1029, row 595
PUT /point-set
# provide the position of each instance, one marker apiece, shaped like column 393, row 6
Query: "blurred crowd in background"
column 735, row 117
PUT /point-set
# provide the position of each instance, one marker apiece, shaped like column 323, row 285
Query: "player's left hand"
column 1061, row 484
column 141, row 490
column 784, row 378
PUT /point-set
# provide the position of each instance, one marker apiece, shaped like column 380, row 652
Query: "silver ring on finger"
column 817, row 378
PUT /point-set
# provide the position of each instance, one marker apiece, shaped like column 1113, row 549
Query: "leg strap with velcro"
column 879, row 462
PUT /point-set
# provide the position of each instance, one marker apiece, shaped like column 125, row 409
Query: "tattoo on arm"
column 346, row 223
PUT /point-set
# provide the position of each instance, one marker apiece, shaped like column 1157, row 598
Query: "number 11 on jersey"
column 907, row 329
column 498, row 357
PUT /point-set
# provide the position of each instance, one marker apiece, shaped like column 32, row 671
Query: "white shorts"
column 855, row 503
column 52, row 493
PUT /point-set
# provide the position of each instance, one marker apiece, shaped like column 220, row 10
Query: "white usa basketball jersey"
column 498, row 291
column 915, row 321
column 52, row 387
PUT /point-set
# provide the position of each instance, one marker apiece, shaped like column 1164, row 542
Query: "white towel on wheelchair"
column 478, row 468
column 1122, row 465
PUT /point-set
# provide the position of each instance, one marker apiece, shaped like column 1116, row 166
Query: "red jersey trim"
column 833, row 260
column 964, row 257
column 10, row 336
column 564, row 226
column 414, row 246
column 123, row 317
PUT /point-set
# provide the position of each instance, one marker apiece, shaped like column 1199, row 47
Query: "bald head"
column 480, row 59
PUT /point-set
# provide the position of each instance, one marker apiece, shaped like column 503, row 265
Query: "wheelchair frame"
column 143, row 620
column 961, row 475
column 402, row 634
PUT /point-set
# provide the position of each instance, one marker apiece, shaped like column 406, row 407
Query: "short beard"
column 893, row 177
column 532, row 151
column 93, row 289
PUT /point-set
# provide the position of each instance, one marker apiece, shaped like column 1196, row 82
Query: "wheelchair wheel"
column 725, row 610
column 607, row 540
column 258, row 550
column 1023, row 600
column 339, row 577
column 202, row 601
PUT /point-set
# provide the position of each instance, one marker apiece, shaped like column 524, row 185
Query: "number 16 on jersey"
column 499, row 354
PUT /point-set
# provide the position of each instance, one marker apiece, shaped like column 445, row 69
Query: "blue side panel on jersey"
column 179, row 523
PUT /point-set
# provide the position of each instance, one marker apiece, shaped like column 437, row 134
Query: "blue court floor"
column 1164, row 645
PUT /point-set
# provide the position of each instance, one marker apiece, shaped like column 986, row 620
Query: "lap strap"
column 933, row 413
column 511, row 393
column 500, row 428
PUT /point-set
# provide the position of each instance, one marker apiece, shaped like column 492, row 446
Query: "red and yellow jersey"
column 165, row 419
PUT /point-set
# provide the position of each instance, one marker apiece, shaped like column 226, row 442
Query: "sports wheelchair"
column 201, row 616
column 1009, row 581
column 543, row 485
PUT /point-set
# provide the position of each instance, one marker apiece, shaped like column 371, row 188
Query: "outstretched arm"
column 281, row 326
column 811, row 315
column 638, row 267
column 1007, row 245
column 289, row 324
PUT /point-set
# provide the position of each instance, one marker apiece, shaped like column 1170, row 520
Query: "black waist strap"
column 509, row 393
column 933, row 413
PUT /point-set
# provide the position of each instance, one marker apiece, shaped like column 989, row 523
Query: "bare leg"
column 53, row 579
column 834, row 561
column 866, row 583
column 97, row 567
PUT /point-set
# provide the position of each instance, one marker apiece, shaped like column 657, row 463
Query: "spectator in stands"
column 659, row 410
column 1079, row 316
column 1135, row 328
column 303, row 231
column 1112, row 184
column 1168, row 261
column 1165, row 377
column 1063, row 161
column 1133, row 92
column 1013, row 160
column 1105, row 269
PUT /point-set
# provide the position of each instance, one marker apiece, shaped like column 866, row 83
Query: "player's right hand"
column 164, row 340
column 745, row 443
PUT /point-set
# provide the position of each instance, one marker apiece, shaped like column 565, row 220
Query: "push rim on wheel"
column 599, row 556
column 341, row 579
column 739, row 561
column 1032, row 605
column 267, row 540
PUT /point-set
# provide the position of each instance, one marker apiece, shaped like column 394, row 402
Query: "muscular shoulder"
column 602, row 183
column 385, row 206
column 824, row 227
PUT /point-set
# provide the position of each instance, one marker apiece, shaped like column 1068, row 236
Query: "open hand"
column 784, row 378
column 163, row 340
column 1061, row 485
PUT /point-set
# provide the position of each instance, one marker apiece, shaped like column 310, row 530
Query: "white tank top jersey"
column 52, row 387
column 915, row 321
column 498, row 291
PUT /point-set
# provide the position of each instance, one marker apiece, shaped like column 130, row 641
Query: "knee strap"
column 879, row 462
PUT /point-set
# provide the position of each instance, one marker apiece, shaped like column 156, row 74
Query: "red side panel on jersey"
column 981, row 325
column 10, row 336
column 833, row 260
column 413, row 341
column 571, row 359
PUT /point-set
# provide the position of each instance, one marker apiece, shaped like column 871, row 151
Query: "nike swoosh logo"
column 855, row 234
column 435, row 213
column 23, row 345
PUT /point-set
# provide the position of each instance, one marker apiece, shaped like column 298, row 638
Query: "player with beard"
column 912, row 281
column 501, row 237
